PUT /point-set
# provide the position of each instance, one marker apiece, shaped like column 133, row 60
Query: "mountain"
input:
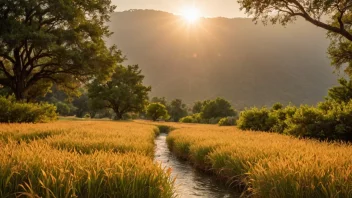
column 245, row 63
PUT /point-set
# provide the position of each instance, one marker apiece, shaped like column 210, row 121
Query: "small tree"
column 161, row 100
column 157, row 111
column 177, row 110
column 218, row 108
column 124, row 93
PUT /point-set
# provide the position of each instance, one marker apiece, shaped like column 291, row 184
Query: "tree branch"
column 318, row 23
column 2, row 67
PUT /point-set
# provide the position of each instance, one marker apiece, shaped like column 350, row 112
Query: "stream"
column 189, row 182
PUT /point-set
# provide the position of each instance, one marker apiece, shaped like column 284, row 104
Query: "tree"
column 177, row 110
column 197, row 107
column 157, row 111
column 124, row 93
column 342, row 93
column 82, row 105
column 218, row 108
column 46, row 41
column 314, row 11
column 161, row 100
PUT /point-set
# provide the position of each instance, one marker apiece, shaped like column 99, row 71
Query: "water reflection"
column 189, row 183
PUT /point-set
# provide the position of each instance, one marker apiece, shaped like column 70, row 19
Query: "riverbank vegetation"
column 81, row 159
column 267, row 164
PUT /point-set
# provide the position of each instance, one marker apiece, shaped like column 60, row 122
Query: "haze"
column 208, row 8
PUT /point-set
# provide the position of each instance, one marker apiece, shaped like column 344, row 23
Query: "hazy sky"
column 208, row 8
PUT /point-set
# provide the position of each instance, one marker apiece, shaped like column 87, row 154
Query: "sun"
column 191, row 14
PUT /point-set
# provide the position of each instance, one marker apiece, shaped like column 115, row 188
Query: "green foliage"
column 188, row 119
column 228, row 121
column 161, row 100
column 256, row 119
column 18, row 112
column 63, row 109
column 329, row 120
column 62, row 42
column 82, row 105
column 277, row 106
column 217, row 108
column 177, row 110
column 124, row 93
column 157, row 111
column 197, row 107
column 195, row 118
column 342, row 93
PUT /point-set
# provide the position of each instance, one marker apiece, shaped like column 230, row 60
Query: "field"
column 265, row 164
column 115, row 159
column 81, row 159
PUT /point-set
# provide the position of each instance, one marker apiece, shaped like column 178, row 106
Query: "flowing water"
column 189, row 182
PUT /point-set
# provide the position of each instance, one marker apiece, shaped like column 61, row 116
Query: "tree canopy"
column 339, row 23
column 157, row 111
column 124, row 93
column 341, row 93
column 46, row 41
column 218, row 108
column 177, row 110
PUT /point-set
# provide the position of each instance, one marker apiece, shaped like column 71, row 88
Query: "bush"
column 214, row 120
column 63, row 109
column 256, row 119
column 330, row 120
column 12, row 111
column 187, row 119
column 279, row 117
column 228, row 121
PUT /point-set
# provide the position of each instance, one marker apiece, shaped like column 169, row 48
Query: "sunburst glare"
column 191, row 14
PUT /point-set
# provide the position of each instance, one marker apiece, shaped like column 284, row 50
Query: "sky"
column 208, row 8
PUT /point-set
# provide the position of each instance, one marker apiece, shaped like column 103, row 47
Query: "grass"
column 81, row 159
column 267, row 165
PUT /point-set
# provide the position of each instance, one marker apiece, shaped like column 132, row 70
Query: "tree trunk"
column 19, row 90
column 119, row 115
column 19, row 84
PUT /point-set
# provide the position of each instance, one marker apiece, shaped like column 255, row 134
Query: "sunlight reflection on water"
column 189, row 182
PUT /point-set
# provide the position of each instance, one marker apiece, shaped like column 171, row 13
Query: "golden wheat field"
column 265, row 164
column 81, row 159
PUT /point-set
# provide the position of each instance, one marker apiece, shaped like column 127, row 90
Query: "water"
column 189, row 182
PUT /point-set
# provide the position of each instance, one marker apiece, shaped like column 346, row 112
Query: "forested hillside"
column 233, row 58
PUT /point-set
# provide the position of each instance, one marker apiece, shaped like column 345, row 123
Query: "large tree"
column 60, row 41
column 332, row 15
column 124, row 93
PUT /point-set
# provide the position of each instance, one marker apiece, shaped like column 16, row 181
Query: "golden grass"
column 81, row 159
column 268, row 165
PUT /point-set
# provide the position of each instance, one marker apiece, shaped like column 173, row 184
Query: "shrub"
column 279, row 116
column 256, row 119
column 214, row 120
column 228, row 121
column 187, row 119
column 157, row 111
column 12, row 111
column 330, row 120
column 63, row 109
